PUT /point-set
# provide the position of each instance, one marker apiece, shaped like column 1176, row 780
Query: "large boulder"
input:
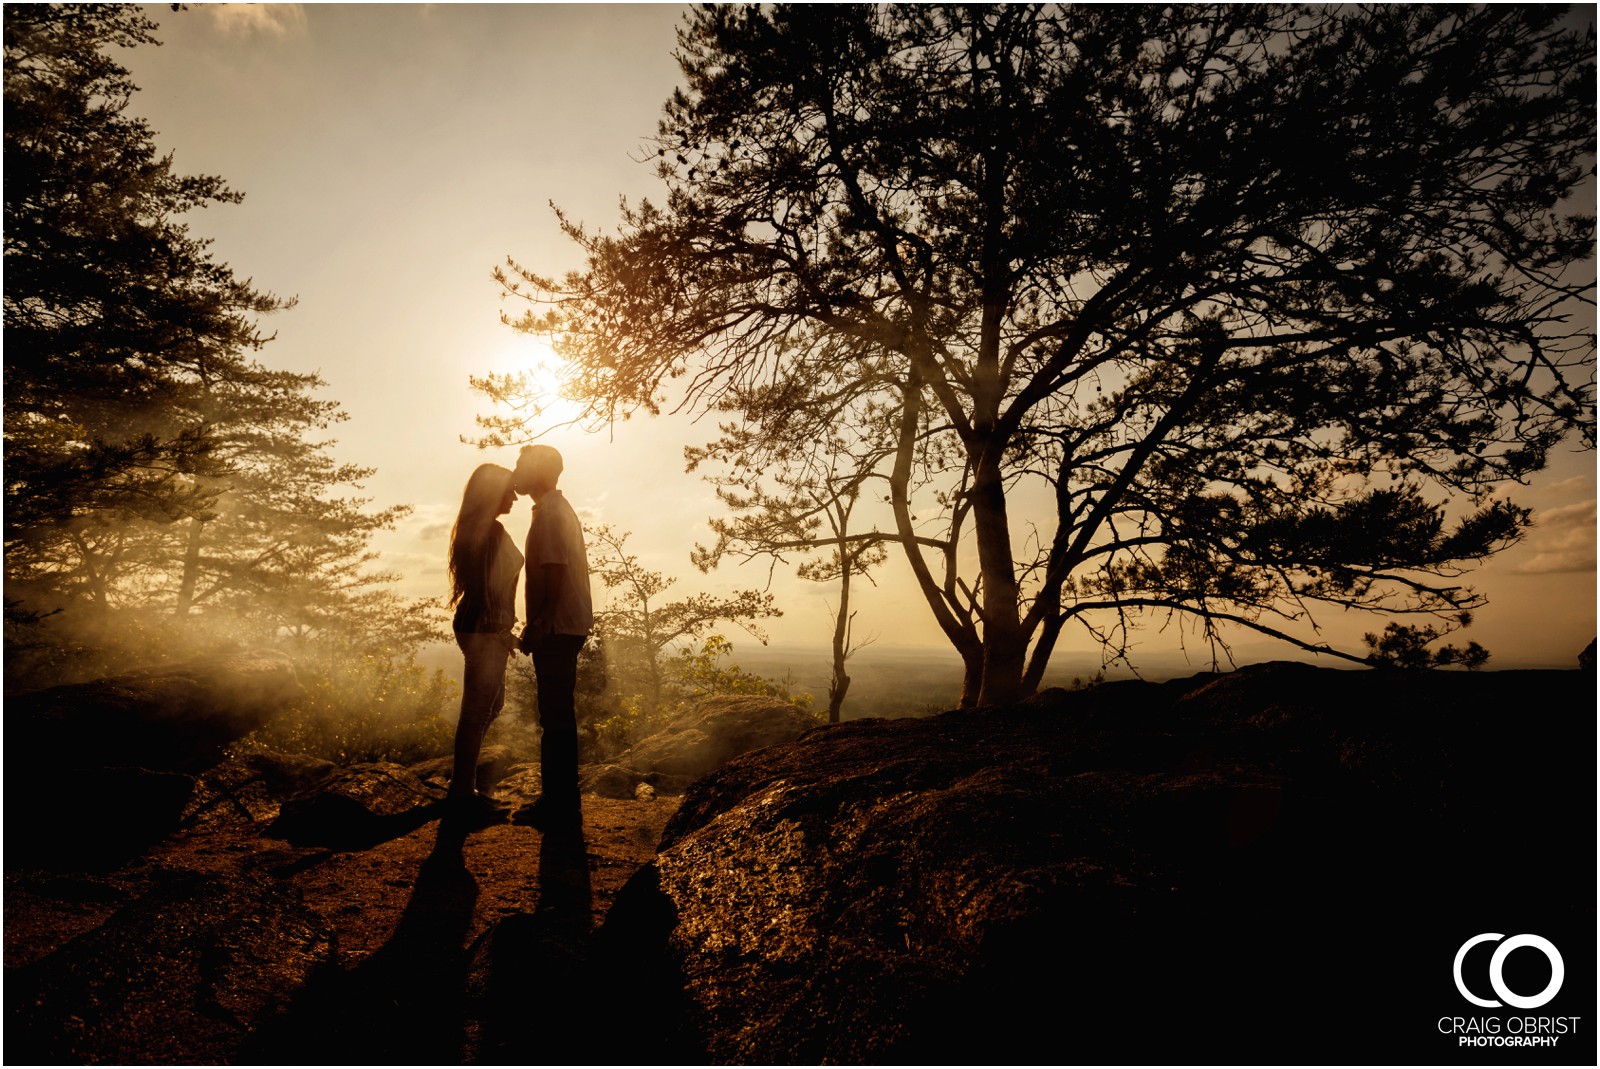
column 1219, row 868
column 494, row 762
column 713, row 732
column 177, row 717
column 107, row 767
column 250, row 788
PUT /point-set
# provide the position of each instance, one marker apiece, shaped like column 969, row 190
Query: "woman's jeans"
column 483, row 692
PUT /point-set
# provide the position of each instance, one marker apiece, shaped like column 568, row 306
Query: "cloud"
column 1572, row 487
column 1563, row 540
column 278, row 21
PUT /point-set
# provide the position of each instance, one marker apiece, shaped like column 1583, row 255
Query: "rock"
column 94, row 818
column 177, row 977
column 249, row 789
column 712, row 733
column 1136, row 873
column 610, row 781
column 357, row 807
column 116, row 757
column 493, row 762
column 287, row 773
column 176, row 718
column 1586, row 658
column 520, row 785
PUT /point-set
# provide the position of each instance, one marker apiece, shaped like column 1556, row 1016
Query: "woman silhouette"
column 484, row 565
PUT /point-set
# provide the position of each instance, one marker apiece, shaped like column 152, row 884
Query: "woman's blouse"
column 489, row 602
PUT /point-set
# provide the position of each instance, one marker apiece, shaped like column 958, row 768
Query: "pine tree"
column 165, row 491
column 113, row 309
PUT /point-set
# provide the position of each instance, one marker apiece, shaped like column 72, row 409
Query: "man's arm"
column 541, row 615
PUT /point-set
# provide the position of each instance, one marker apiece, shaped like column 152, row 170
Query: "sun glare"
column 547, row 404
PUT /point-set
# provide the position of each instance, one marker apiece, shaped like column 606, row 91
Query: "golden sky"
column 392, row 155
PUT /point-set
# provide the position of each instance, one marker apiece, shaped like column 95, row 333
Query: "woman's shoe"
column 476, row 810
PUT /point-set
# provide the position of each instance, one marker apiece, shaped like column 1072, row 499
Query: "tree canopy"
column 1269, row 301
column 162, row 486
column 112, row 308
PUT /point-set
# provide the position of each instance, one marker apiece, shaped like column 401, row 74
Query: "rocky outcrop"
column 250, row 789
column 611, row 781
column 703, row 738
column 107, row 767
column 178, row 977
column 494, row 762
column 357, row 806
column 176, row 718
column 1267, row 866
column 1210, row 869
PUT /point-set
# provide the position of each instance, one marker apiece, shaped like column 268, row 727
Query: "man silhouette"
column 560, row 616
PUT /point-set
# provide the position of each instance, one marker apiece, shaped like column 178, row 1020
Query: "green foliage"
column 114, row 313
column 367, row 698
column 1402, row 646
column 363, row 707
column 642, row 686
column 700, row 674
column 151, row 462
column 626, row 714
column 638, row 623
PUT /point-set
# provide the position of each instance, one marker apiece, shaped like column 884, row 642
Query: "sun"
column 547, row 402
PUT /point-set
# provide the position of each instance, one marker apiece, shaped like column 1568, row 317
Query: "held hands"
column 534, row 634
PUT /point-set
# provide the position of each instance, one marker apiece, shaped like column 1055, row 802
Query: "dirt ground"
column 362, row 894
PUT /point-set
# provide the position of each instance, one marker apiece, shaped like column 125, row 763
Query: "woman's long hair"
column 480, row 503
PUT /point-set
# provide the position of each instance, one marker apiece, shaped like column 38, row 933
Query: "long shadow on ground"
column 405, row 1004
column 537, row 1003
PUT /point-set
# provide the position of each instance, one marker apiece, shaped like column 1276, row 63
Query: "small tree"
column 1268, row 300
column 703, row 673
column 809, row 510
column 1401, row 646
column 639, row 626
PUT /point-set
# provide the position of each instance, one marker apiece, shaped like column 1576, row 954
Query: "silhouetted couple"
column 484, row 564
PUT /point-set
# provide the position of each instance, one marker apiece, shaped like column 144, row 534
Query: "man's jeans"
column 555, row 669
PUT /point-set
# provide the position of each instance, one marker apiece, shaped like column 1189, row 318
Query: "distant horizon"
column 750, row 652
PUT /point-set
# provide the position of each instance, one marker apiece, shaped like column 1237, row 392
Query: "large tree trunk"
column 971, row 675
column 191, row 568
column 1005, row 644
column 959, row 630
column 1041, row 652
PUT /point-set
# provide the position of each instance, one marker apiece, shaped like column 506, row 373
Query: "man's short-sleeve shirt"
column 556, row 537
